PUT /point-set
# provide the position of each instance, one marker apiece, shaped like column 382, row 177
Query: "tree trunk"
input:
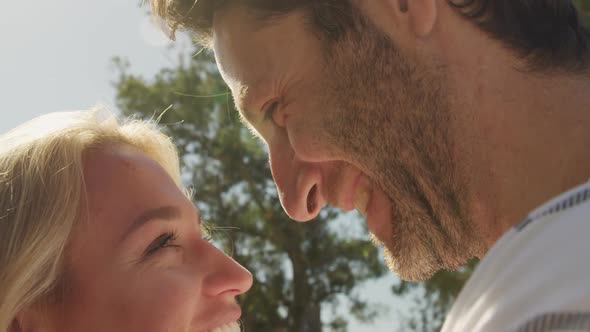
column 311, row 320
column 305, row 312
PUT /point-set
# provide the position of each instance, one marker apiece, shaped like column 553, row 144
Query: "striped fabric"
column 558, row 321
column 573, row 199
column 536, row 277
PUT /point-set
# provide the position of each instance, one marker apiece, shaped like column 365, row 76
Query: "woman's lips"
column 229, row 327
column 224, row 320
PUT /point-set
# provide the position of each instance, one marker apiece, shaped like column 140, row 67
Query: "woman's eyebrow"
column 168, row 213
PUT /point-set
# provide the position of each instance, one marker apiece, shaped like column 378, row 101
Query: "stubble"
column 392, row 116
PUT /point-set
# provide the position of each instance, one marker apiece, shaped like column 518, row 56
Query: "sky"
column 57, row 55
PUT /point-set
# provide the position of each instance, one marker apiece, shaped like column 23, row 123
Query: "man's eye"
column 270, row 109
column 163, row 241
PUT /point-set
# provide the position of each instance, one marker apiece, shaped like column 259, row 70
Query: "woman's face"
column 140, row 263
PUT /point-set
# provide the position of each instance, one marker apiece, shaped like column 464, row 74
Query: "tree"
column 584, row 9
column 297, row 267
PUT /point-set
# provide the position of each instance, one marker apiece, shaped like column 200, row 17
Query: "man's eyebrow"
column 241, row 103
column 245, row 115
column 167, row 213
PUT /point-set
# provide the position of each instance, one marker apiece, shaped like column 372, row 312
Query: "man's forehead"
column 245, row 80
column 247, row 16
column 246, row 51
column 238, row 26
column 240, row 96
column 235, row 20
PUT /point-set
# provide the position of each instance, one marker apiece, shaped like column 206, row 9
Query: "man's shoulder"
column 538, row 269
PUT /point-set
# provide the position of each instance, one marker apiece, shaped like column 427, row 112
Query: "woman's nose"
column 298, row 183
column 226, row 276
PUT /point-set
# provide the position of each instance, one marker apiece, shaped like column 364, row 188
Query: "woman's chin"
column 229, row 327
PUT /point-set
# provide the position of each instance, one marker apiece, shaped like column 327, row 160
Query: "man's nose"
column 299, row 183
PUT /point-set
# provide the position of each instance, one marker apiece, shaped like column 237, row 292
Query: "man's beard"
column 391, row 114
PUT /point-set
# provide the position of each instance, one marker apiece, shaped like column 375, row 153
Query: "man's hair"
column 43, row 196
column 329, row 17
column 548, row 34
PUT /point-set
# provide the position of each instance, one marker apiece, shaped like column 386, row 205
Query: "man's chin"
column 411, row 266
column 414, row 272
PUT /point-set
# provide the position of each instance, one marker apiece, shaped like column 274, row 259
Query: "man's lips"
column 357, row 191
column 373, row 203
column 362, row 194
column 378, row 215
column 351, row 191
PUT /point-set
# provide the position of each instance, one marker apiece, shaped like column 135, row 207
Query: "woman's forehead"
column 121, row 183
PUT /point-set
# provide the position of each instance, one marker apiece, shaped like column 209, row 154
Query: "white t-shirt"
column 536, row 277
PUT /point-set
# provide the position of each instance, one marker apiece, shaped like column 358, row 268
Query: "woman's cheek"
column 169, row 300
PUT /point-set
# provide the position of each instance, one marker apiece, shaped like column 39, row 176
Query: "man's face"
column 356, row 123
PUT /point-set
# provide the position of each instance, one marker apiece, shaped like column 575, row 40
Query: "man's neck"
column 525, row 138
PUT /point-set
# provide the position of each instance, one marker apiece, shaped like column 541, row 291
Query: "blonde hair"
column 42, row 195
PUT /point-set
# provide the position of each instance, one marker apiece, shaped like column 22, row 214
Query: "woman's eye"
column 269, row 111
column 163, row 241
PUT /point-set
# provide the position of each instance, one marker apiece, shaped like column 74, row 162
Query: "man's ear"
column 402, row 17
column 422, row 15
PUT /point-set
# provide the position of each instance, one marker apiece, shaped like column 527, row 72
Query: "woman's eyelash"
column 168, row 240
column 207, row 231
column 163, row 241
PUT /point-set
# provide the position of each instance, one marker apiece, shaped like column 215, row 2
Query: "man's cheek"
column 311, row 143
